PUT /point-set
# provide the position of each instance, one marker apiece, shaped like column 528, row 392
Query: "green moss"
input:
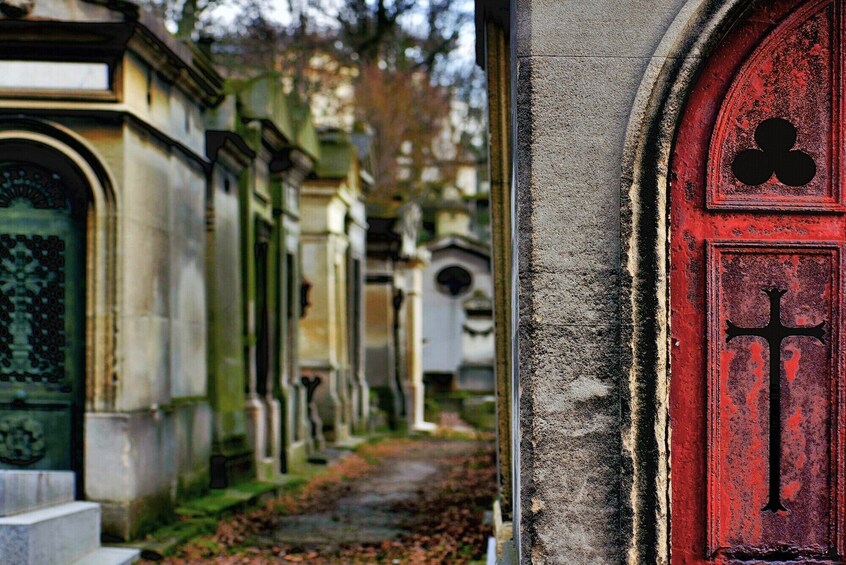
column 224, row 500
column 193, row 485
column 431, row 410
column 165, row 540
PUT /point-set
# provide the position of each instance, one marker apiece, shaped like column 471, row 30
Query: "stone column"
column 319, row 328
column 253, row 406
column 414, row 342
column 274, row 435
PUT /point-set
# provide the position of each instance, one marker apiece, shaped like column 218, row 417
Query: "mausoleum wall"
column 577, row 71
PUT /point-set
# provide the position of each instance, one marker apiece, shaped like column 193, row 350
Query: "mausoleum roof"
column 337, row 154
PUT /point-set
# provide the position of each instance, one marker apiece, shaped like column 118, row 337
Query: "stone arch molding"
column 101, row 243
column 650, row 134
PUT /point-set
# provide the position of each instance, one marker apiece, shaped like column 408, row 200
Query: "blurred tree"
column 185, row 18
column 382, row 67
column 407, row 115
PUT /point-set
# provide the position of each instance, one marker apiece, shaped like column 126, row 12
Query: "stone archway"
column 646, row 479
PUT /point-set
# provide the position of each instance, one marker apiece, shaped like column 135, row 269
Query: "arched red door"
column 758, row 243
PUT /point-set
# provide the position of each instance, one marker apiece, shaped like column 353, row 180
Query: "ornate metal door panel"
column 758, row 236
column 42, row 330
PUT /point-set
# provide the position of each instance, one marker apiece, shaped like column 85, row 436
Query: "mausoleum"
column 668, row 175
column 149, row 265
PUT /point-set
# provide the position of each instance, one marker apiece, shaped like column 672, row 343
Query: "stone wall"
column 160, row 412
column 577, row 70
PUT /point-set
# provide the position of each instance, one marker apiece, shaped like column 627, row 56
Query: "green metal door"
column 42, row 313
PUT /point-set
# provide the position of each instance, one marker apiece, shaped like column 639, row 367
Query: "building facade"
column 333, row 250
column 150, row 263
column 458, row 329
column 391, row 244
column 106, row 360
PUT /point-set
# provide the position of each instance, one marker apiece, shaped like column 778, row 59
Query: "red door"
column 758, row 227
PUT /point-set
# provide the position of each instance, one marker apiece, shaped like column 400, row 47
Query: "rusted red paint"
column 797, row 58
column 730, row 242
column 738, row 407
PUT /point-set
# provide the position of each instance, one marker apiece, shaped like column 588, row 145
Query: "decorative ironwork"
column 32, row 187
column 22, row 440
column 32, row 309
column 775, row 137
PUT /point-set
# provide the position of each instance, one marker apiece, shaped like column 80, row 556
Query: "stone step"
column 57, row 535
column 110, row 556
column 24, row 491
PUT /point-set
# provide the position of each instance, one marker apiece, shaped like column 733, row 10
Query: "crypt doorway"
column 757, row 240
column 43, row 211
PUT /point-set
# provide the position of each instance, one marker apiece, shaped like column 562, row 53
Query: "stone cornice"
column 105, row 112
column 181, row 63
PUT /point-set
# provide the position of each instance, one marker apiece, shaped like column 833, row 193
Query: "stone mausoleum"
column 334, row 233
column 458, row 329
column 668, row 215
column 150, row 275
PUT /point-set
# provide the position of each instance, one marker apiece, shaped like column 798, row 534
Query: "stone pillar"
column 320, row 327
column 257, row 431
column 253, row 405
column 414, row 342
column 273, row 461
column 497, row 62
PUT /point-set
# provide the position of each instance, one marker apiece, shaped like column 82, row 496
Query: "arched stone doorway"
column 43, row 213
column 756, row 244
column 699, row 59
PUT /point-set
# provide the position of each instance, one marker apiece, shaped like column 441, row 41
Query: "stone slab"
column 24, row 491
column 51, row 536
column 605, row 28
column 110, row 556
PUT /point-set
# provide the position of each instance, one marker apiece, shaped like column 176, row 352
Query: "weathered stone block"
column 130, row 458
column 56, row 535
column 580, row 296
column 570, row 458
column 23, row 491
column 147, row 274
column 145, row 379
column 607, row 28
column 110, row 556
